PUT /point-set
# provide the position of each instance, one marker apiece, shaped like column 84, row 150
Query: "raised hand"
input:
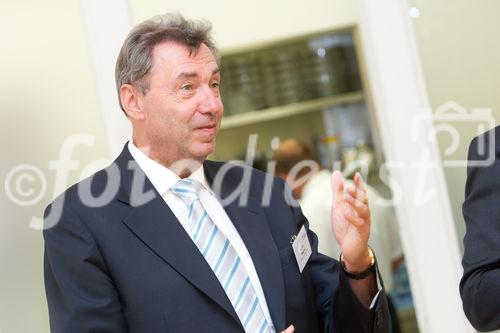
column 351, row 221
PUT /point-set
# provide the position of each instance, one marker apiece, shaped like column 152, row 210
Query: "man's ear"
column 130, row 98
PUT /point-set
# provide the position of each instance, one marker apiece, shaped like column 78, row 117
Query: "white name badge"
column 302, row 248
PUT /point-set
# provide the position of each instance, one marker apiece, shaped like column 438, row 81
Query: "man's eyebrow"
column 186, row 75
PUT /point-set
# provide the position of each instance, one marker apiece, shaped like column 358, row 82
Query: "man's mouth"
column 206, row 126
column 209, row 128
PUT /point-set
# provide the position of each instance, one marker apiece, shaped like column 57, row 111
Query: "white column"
column 107, row 24
column 424, row 213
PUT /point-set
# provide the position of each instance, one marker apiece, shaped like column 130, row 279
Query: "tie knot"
column 187, row 189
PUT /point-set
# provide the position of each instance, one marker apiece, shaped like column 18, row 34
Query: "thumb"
column 337, row 186
column 290, row 329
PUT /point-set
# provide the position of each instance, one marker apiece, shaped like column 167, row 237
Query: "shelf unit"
column 305, row 119
column 253, row 117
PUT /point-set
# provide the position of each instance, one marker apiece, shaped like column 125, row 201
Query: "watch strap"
column 359, row 275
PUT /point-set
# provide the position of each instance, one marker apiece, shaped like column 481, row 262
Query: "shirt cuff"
column 379, row 288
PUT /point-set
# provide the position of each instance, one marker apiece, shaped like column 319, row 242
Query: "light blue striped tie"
column 222, row 258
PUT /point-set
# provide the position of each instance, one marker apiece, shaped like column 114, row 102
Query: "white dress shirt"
column 163, row 178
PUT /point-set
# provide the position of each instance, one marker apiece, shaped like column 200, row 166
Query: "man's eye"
column 187, row 87
column 215, row 84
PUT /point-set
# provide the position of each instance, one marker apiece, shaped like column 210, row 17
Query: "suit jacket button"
column 378, row 319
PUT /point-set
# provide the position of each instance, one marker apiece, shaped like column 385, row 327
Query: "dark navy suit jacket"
column 125, row 267
column 480, row 285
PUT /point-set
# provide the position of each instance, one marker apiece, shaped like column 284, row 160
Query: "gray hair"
column 135, row 59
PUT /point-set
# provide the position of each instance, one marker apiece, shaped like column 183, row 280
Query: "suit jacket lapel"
column 154, row 224
column 250, row 222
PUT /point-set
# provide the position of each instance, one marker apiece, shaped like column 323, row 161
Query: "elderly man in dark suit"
column 480, row 285
column 159, row 242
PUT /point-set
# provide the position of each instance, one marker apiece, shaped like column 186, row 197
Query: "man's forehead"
column 170, row 50
column 174, row 59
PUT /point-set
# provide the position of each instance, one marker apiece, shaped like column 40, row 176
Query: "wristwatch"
column 361, row 275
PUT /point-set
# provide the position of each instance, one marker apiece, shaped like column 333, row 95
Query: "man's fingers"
column 360, row 207
column 337, row 186
column 290, row 329
column 358, row 180
column 353, row 219
column 358, row 193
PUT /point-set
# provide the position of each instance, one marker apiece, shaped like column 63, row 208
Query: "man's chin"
column 202, row 150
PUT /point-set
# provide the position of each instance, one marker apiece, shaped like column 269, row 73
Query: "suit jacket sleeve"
column 338, row 308
column 80, row 293
column 480, row 284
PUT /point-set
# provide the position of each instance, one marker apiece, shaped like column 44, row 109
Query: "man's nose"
column 209, row 101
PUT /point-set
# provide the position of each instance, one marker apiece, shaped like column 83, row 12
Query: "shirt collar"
column 160, row 176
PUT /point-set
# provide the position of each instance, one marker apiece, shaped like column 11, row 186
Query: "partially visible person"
column 480, row 285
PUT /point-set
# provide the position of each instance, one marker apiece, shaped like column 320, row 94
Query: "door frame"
column 398, row 95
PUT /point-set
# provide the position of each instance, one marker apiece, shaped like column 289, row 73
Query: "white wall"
column 238, row 23
column 47, row 93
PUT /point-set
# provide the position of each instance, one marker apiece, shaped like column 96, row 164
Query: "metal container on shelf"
column 314, row 67
column 241, row 84
column 328, row 66
column 282, row 74
column 353, row 77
